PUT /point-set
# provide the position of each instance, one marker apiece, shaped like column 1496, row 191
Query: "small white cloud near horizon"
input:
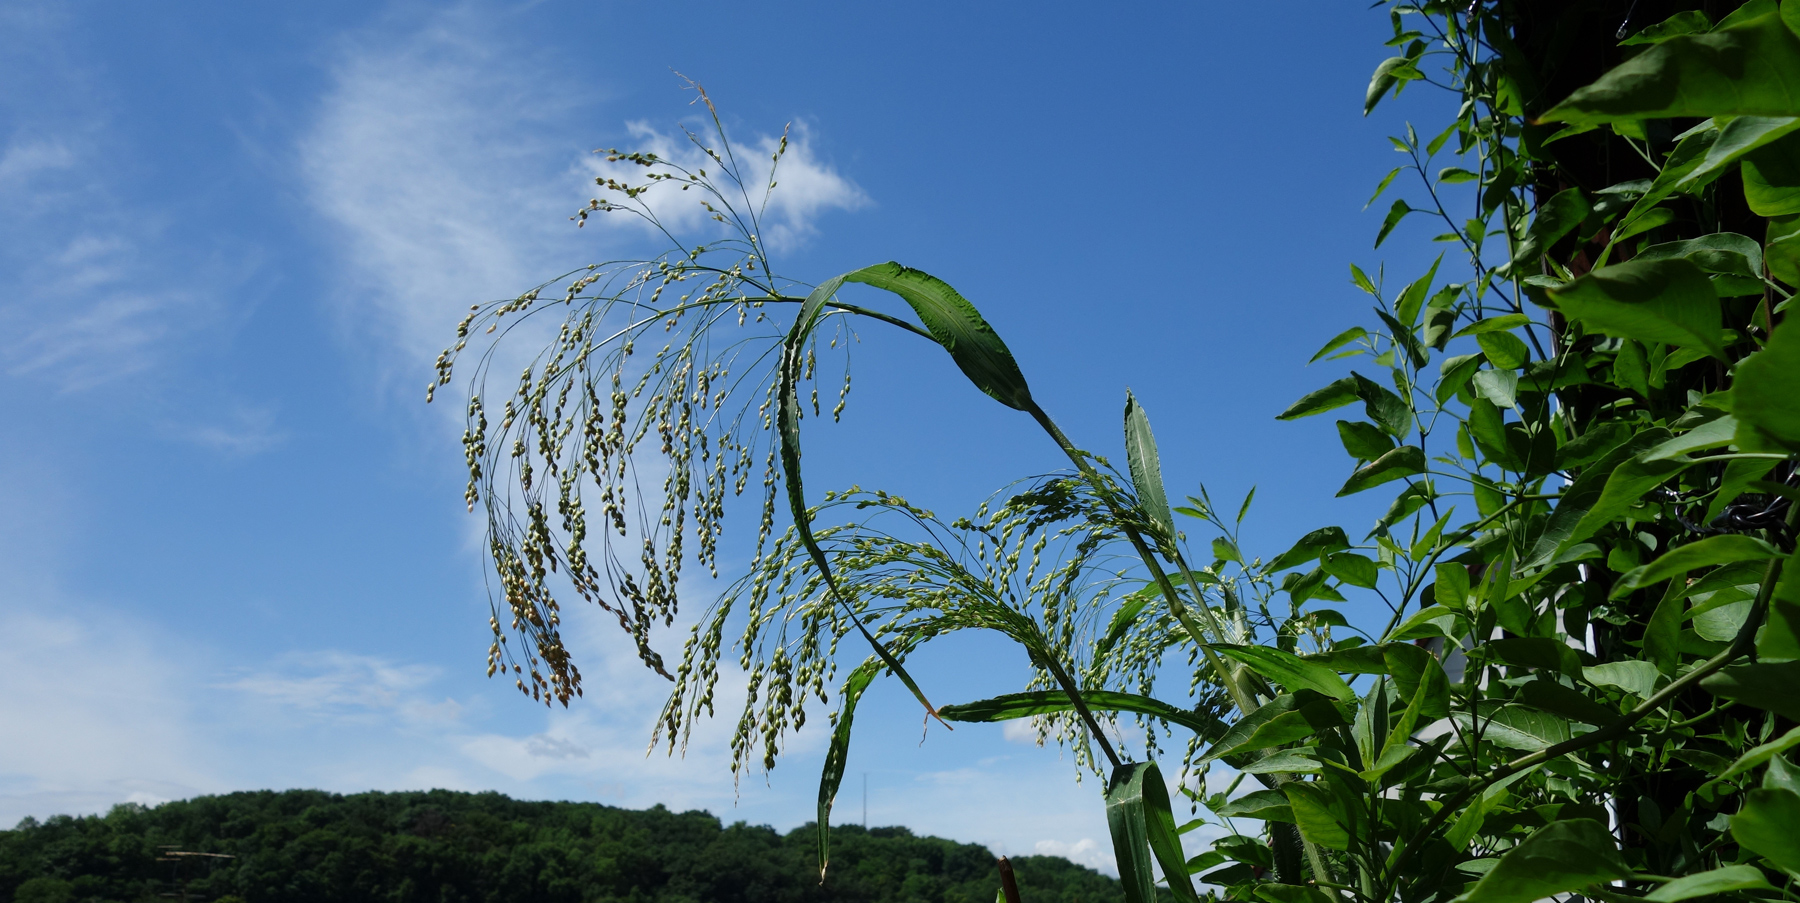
column 342, row 686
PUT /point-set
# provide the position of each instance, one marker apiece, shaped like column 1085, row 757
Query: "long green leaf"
column 1143, row 829
column 1405, row 461
column 1765, row 686
column 1318, row 401
column 1766, row 392
column 1146, row 468
column 1312, row 813
column 1706, row 884
column 838, row 753
column 957, row 326
column 1044, row 702
column 1704, row 553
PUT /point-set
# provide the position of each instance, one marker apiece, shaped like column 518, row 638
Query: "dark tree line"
column 305, row 846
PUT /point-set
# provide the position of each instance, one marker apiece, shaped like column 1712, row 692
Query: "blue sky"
column 235, row 553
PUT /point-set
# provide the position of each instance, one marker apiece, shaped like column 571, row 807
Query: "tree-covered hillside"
column 305, row 846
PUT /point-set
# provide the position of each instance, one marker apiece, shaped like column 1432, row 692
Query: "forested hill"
column 307, row 846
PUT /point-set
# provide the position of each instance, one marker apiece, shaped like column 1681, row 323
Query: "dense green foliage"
column 307, row 846
column 1584, row 417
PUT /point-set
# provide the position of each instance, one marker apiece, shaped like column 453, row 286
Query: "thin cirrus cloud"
column 447, row 165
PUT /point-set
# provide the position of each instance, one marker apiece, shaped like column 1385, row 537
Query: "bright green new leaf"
column 1284, row 761
column 1268, row 805
column 1354, row 569
column 1386, row 76
column 1412, row 298
column 1290, row 670
column 1705, row 884
column 1146, row 468
column 1562, row 856
column 1668, row 301
column 956, row 325
column 1769, row 825
column 1517, row 727
column 1288, row 718
column 1704, row 553
column 1637, row 677
column 1405, row 461
column 1752, row 69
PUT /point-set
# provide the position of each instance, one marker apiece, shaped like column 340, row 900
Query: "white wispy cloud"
column 341, row 685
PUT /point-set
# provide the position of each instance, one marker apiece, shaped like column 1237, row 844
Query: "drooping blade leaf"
column 1563, row 856
column 1336, row 395
column 1143, row 830
column 838, row 754
column 1752, row 69
column 1765, row 686
column 1312, row 813
column 1405, row 461
column 1044, row 702
column 1146, row 468
column 957, row 326
column 1322, row 541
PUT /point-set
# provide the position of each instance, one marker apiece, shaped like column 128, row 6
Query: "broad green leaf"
column 1268, row 805
column 1285, row 761
column 1282, row 720
column 1319, row 542
column 1454, row 373
column 1339, row 341
column 1714, row 433
column 1353, row 660
column 1780, row 637
column 1542, row 653
column 1364, row 441
column 1691, row 21
column 1769, row 825
column 1637, row 677
column 1562, row 856
column 1405, row 461
column 1146, row 468
column 1741, row 136
column 1435, row 620
column 1752, row 69
column 1566, row 524
column 1045, row 702
column 1772, row 176
column 1383, row 80
column 1556, row 217
column 1765, row 394
column 1592, row 445
column 1721, row 252
column 1557, row 699
column 1487, row 426
column 1312, row 813
column 1705, row 884
column 1781, row 248
column 1517, row 727
column 838, row 753
column 1739, row 474
column 1504, row 323
column 1503, row 349
column 1244, row 509
column 1498, row 386
column 1626, row 485
column 1394, row 215
column 1662, row 636
column 1689, row 153
column 1668, row 301
column 1290, row 670
column 1381, row 405
column 1765, row 686
column 1455, row 175
column 1412, row 298
column 1354, row 569
column 956, row 325
column 1415, row 670
column 1703, row 553
column 1333, row 396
